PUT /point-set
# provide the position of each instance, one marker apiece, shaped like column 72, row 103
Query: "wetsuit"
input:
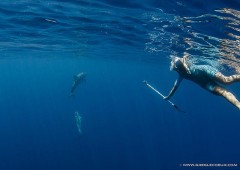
column 203, row 75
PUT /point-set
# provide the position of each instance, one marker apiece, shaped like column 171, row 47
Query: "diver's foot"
column 238, row 106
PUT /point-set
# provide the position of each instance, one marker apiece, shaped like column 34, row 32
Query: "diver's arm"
column 176, row 84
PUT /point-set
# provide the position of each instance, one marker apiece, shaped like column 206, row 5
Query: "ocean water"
column 124, row 124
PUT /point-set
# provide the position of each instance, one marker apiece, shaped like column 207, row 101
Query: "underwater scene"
column 119, row 84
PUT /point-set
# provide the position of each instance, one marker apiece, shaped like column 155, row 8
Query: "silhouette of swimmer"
column 76, row 80
column 206, row 76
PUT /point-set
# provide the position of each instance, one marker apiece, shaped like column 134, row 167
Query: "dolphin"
column 76, row 80
column 78, row 119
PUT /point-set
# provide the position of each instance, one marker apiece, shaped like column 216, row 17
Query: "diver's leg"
column 227, row 95
column 219, row 77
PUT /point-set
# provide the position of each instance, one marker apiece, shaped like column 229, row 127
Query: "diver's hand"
column 185, row 64
column 166, row 98
column 186, row 57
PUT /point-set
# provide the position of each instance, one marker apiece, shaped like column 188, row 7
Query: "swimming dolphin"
column 78, row 119
column 76, row 80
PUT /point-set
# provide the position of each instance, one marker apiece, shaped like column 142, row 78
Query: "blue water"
column 125, row 125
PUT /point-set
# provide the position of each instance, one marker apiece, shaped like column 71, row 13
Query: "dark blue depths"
column 118, row 44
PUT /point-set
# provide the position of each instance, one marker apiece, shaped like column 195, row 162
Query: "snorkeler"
column 77, row 79
column 206, row 76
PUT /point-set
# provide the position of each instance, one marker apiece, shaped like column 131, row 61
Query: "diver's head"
column 175, row 63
